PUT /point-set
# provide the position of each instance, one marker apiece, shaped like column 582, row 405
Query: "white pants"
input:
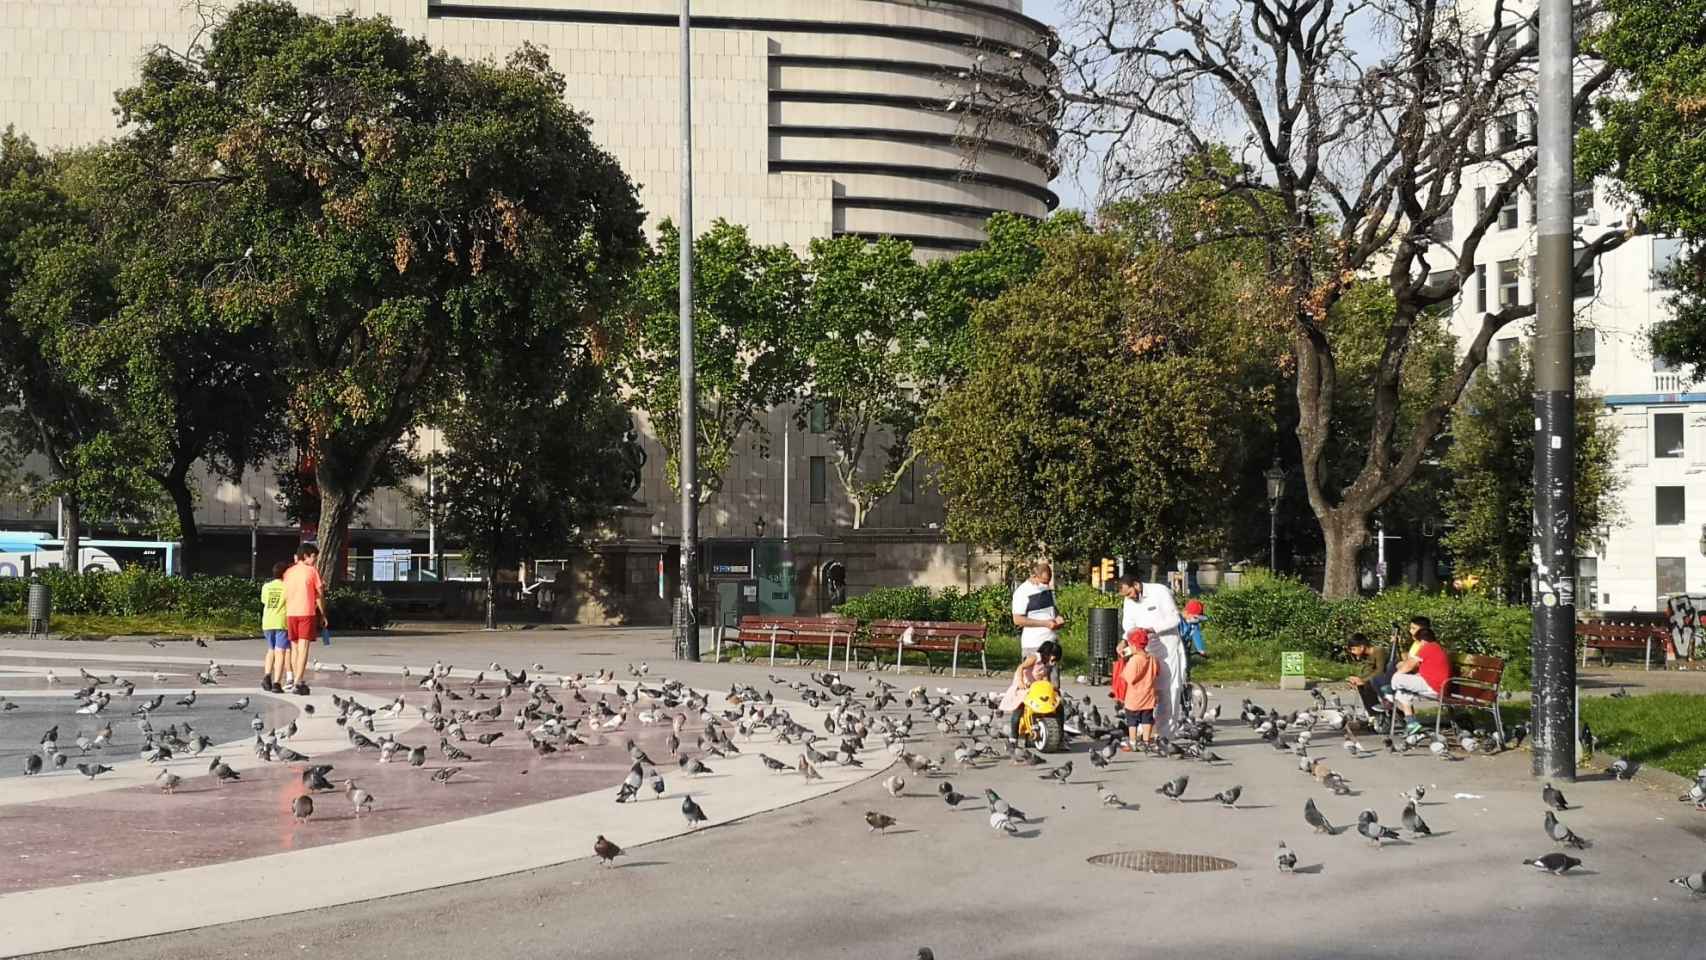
column 1169, row 679
column 1406, row 687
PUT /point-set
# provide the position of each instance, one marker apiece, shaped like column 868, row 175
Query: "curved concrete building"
column 811, row 118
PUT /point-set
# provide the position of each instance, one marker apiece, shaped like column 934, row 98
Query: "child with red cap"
column 1138, row 676
column 1191, row 629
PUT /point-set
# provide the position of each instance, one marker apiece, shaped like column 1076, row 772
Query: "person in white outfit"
column 1151, row 606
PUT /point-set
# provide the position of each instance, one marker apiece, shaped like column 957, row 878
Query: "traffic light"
column 1105, row 574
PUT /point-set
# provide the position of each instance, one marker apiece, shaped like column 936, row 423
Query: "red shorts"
column 302, row 629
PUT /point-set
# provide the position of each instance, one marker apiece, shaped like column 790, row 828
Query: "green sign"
column 1291, row 664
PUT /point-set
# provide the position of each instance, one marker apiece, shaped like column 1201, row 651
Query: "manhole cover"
column 1161, row 861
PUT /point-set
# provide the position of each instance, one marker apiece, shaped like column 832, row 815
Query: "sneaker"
column 267, row 685
column 1412, row 728
column 301, row 690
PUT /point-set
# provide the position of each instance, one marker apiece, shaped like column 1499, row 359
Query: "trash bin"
column 39, row 607
column 1104, row 632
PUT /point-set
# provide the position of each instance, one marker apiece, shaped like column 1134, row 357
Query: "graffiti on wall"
column 1684, row 611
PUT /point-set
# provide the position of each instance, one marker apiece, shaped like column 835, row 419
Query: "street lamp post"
column 687, row 617
column 1275, row 475
column 254, row 537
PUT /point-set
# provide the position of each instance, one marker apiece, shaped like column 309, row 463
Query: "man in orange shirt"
column 304, row 612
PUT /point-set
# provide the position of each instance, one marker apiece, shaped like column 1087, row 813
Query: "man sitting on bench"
column 1422, row 674
column 1371, row 686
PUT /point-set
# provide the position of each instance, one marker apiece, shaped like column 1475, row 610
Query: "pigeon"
column 241, row 703
column 32, row 765
column 894, row 785
column 1001, row 822
column 604, row 850
column 1415, row 794
column 361, row 798
column 188, row 700
column 880, row 822
column 807, row 770
column 417, row 755
column 168, row 781
column 93, row 770
column 487, row 739
column 1313, row 817
column 1413, row 821
column 1562, row 834
column 314, row 778
column 1695, row 882
column 773, row 763
column 1174, row 789
column 1284, row 859
column 443, row 774
column 1550, row 796
column 997, row 803
column 952, row 797
column 1229, row 797
column 1556, row 864
column 222, row 771
column 302, row 808
column 1622, row 768
column 1059, row 774
column 1368, row 824
column 692, row 812
column 924, row 953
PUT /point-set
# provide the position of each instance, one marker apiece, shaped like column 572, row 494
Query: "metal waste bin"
column 39, row 608
column 1104, row 640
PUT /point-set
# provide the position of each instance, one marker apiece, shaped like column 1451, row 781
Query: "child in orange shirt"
column 1139, row 674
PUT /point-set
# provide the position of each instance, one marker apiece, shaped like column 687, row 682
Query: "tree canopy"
column 383, row 209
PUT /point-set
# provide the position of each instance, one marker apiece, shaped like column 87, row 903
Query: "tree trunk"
column 176, row 484
column 1345, row 531
column 337, row 512
column 72, row 549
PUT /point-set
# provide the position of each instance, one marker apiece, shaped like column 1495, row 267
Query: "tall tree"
column 534, row 454
column 53, row 283
column 1357, row 127
column 1651, row 137
column 866, row 342
column 747, row 300
column 1490, row 501
column 1102, row 411
column 384, row 209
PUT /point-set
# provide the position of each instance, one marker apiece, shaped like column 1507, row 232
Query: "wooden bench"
column 1604, row 636
column 796, row 632
column 926, row 637
column 1473, row 684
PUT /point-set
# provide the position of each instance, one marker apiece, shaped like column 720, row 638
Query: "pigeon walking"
column 1561, row 834
column 1229, row 797
column 1695, row 882
column 1368, row 824
column 1059, row 774
column 604, row 850
column 1413, row 821
column 1174, row 789
column 894, row 785
column 168, row 781
column 1284, row 859
column 691, row 811
column 1556, row 864
column 1313, row 817
column 879, row 822
column 1553, row 798
column 444, row 774
column 302, row 808
column 1001, row 822
column 93, row 770
column 362, row 800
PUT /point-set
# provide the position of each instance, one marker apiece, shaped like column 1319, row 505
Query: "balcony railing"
column 1670, row 383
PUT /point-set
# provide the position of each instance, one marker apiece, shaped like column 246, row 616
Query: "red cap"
column 1138, row 637
column 1193, row 608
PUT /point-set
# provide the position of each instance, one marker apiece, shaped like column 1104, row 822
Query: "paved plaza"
column 497, row 861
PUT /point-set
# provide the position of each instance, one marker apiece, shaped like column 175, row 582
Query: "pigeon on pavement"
column 168, row 781
column 1553, row 798
column 93, row 770
column 1284, row 859
column 1001, row 822
column 879, row 822
column 692, row 812
column 1695, row 882
column 1059, row 774
column 1229, row 797
column 604, row 850
column 1413, row 821
column 1556, row 864
column 444, row 774
column 1313, row 817
column 894, row 785
column 302, row 808
column 1368, row 824
column 1174, row 789
column 1561, row 834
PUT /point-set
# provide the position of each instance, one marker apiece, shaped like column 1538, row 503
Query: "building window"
column 1670, row 506
column 908, row 485
column 1666, row 252
column 1480, row 202
column 1509, row 283
column 1533, row 186
column 1584, row 282
column 1667, row 439
column 1672, row 575
column 1586, row 348
column 1481, row 287
column 1587, row 583
column 1504, row 131
column 818, row 420
column 1507, row 213
column 820, row 480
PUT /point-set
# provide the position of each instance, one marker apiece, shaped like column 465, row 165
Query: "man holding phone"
column 1034, row 613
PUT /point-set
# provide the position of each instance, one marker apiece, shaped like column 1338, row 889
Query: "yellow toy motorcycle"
column 1040, row 718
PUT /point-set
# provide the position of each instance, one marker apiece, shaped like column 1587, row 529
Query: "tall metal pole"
column 1554, row 602
column 1273, row 535
column 687, row 620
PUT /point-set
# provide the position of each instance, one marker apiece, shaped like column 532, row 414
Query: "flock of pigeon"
column 553, row 717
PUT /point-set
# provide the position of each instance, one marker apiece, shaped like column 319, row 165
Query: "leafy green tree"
column 1490, row 499
column 53, row 283
column 1651, row 137
column 384, row 210
column 1103, row 409
column 747, row 301
column 862, row 334
column 534, row 454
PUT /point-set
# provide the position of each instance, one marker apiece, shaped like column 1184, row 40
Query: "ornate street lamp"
column 1275, row 476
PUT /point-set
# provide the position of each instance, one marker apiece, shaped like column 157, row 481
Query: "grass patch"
column 1664, row 730
column 147, row 624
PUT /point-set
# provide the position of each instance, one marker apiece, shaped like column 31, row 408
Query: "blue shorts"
column 1139, row 718
column 277, row 639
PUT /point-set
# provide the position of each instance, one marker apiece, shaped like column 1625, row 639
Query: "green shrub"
column 138, row 591
column 352, row 609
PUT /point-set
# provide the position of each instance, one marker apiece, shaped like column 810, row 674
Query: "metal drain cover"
column 1162, row 861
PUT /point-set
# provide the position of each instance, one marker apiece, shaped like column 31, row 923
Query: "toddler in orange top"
column 1139, row 674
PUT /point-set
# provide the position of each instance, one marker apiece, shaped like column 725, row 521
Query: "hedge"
column 137, row 590
column 1259, row 618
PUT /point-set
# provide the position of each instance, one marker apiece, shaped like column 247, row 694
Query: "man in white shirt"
column 1150, row 606
column 1033, row 609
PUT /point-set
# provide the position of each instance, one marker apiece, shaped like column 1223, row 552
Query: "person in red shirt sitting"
column 1421, row 675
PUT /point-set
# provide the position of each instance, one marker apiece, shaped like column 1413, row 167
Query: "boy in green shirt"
column 273, row 628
